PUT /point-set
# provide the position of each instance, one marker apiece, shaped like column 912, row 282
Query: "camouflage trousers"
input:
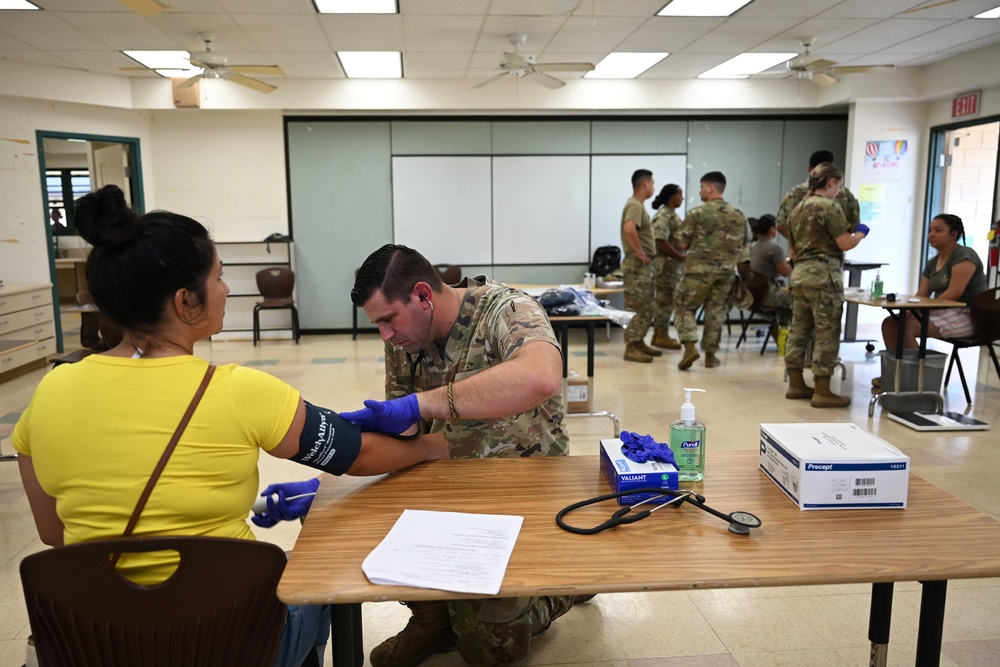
column 710, row 290
column 498, row 631
column 816, row 314
column 779, row 298
column 668, row 272
column 638, row 297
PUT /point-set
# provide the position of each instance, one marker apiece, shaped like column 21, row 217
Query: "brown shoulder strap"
column 168, row 451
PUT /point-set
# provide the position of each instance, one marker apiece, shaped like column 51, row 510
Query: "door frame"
column 137, row 194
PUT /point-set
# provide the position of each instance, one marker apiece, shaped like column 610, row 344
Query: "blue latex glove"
column 392, row 416
column 286, row 501
column 862, row 228
column 642, row 448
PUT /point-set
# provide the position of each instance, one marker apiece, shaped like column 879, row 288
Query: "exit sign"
column 965, row 105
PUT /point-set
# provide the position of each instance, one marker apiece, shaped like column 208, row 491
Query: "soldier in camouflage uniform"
column 818, row 235
column 482, row 364
column 847, row 201
column 637, row 269
column 715, row 235
column 668, row 262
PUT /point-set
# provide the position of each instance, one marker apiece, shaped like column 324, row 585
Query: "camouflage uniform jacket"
column 715, row 233
column 666, row 227
column 813, row 229
column 848, row 204
column 636, row 211
column 494, row 321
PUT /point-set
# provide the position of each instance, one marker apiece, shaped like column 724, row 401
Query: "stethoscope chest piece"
column 741, row 522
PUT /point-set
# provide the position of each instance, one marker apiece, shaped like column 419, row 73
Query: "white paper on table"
column 452, row 551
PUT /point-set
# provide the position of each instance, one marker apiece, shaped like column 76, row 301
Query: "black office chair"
column 758, row 285
column 450, row 274
column 986, row 314
column 276, row 284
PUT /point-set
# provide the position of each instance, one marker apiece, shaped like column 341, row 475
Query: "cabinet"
column 27, row 328
column 240, row 263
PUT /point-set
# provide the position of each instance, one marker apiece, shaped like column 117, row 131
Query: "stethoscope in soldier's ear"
column 415, row 363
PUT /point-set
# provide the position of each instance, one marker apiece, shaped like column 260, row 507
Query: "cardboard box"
column 578, row 398
column 623, row 473
column 834, row 466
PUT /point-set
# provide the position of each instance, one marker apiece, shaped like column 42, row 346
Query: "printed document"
column 452, row 551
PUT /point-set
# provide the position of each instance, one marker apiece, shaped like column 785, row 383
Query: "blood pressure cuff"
column 328, row 442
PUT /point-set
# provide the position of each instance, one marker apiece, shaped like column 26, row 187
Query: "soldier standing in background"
column 714, row 235
column 818, row 235
column 848, row 202
column 668, row 262
column 637, row 270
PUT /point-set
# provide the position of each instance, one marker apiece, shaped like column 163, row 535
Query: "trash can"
column 933, row 370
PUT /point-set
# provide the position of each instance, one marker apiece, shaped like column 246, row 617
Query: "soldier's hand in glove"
column 284, row 502
column 392, row 416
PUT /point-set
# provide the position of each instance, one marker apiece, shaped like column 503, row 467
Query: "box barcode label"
column 864, row 481
column 864, row 492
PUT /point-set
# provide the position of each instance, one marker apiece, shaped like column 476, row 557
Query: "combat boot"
column 635, row 353
column 797, row 387
column 690, row 356
column 661, row 338
column 653, row 352
column 711, row 361
column 427, row 632
column 824, row 398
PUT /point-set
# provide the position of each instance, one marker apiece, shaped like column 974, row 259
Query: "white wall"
column 225, row 169
column 24, row 254
column 897, row 230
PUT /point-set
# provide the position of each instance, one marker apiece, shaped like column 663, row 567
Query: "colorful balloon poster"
column 883, row 155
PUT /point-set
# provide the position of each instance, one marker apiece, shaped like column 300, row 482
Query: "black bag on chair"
column 607, row 258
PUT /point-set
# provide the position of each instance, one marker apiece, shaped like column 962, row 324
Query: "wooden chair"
column 450, row 274
column 986, row 314
column 758, row 285
column 276, row 285
column 219, row 608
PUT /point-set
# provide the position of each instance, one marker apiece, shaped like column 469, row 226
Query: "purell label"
column 690, row 444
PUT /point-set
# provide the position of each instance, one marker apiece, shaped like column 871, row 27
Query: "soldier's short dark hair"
column 640, row 175
column 393, row 269
column 716, row 178
column 818, row 158
column 822, row 174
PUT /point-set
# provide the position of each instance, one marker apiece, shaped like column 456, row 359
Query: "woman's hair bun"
column 104, row 218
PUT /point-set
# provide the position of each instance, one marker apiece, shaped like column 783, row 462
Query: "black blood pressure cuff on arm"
column 328, row 442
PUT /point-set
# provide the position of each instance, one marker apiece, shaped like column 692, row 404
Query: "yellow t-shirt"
column 95, row 430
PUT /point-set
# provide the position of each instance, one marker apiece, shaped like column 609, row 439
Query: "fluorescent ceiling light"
column 16, row 4
column 989, row 14
column 356, row 6
column 702, row 7
column 746, row 64
column 166, row 63
column 624, row 65
column 372, row 64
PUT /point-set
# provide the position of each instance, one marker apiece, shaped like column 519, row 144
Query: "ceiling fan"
column 523, row 66
column 215, row 65
column 823, row 72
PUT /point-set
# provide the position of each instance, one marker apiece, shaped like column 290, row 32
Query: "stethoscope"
column 740, row 523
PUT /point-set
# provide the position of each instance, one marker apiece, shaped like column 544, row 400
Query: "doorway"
column 964, row 181
column 72, row 165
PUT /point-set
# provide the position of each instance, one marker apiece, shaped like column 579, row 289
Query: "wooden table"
column 920, row 307
column 792, row 547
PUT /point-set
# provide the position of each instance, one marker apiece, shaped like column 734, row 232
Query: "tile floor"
column 813, row 626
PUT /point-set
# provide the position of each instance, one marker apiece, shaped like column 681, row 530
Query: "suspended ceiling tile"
column 45, row 30
column 444, row 7
column 267, row 6
column 291, row 33
column 364, row 32
column 683, row 66
column 540, row 32
column 435, row 65
column 430, row 34
column 738, row 35
column 667, row 33
column 297, row 65
column 580, row 35
column 783, row 8
column 887, row 33
column 870, row 9
column 954, row 36
column 619, row 7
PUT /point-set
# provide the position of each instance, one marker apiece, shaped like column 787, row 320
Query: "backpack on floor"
column 607, row 258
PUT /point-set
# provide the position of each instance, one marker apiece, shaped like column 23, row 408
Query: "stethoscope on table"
column 739, row 522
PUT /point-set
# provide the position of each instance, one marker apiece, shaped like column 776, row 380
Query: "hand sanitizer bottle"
column 687, row 441
column 877, row 285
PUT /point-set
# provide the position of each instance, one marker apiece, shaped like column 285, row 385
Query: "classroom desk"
column 349, row 518
column 854, row 270
column 921, row 310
